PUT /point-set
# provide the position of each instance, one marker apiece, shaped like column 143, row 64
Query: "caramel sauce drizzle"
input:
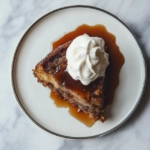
column 116, row 60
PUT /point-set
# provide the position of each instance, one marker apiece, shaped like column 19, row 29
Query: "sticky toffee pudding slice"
column 51, row 72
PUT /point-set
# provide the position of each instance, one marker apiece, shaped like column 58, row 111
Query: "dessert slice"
column 51, row 72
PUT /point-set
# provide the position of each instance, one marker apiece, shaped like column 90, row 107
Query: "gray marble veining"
column 17, row 132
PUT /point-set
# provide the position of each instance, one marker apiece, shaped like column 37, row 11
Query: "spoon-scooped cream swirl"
column 87, row 59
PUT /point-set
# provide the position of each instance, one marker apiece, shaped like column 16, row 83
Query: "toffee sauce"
column 116, row 60
column 79, row 115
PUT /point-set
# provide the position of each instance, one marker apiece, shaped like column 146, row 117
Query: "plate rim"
column 17, row 49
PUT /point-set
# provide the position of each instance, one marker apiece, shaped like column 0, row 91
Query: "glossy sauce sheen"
column 116, row 60
column 63, row 78
column 80, row 116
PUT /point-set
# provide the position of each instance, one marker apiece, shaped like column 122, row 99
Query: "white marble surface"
column 17, row 132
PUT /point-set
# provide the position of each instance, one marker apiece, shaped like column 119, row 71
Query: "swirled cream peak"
column 86, row 58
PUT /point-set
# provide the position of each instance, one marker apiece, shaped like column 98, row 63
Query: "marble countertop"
column 17, row 132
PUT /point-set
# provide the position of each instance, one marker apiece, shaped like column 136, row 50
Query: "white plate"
column 34, row 98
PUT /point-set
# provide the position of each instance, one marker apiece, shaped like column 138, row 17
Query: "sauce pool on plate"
column 79, row 115
column 116, row 60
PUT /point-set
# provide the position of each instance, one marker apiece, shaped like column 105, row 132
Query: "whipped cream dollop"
column 87, row 59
